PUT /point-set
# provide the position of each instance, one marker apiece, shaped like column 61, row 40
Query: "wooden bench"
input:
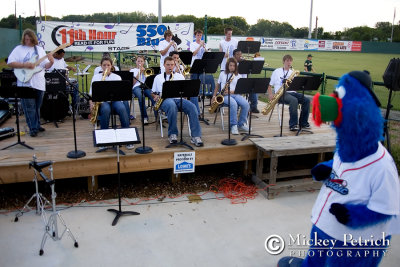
column 289, row 146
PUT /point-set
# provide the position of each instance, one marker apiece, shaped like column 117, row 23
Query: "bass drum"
column 54, row 107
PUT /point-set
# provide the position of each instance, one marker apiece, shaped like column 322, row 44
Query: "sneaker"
column 41, row 129
column 130, row 146
column 196, row 141
column 294, row 128
column 255, row 110
column 131, row 117
column 33, row 134
column 234, row 130
column 173, row 139
column 306, row 126
column 244, row 128
column 146, row 121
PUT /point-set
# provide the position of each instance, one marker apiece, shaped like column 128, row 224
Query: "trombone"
column 186, row 69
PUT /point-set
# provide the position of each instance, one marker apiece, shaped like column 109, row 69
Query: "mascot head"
column 354, row 109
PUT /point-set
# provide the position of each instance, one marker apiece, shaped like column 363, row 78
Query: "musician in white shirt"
column 165, row 47
column 227, row 45
column 24, row 56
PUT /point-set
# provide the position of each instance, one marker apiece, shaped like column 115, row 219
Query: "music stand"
column 117, row 137
column 143, row 149
column 203, row 66
column 180, row 88
column 249, row 86
column 186, row 57
column 307, row 83
column 111, row 91
column 55, row 84
column 16, row 92
column 249, row 46
column 156, row 70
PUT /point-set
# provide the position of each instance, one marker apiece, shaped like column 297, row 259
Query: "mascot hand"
column 341, row 212
column 322, row 170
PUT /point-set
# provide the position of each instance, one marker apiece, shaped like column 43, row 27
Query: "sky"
column 332, row 15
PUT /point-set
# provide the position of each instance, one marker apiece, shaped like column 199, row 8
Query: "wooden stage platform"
column 55, row 143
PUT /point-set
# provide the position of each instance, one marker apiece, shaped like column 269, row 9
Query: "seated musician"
column 121, row 108
column 99, row 69
column 292, row 98
column 171, row 105
column 179, row 68
column 138, row 72
column 227, row 81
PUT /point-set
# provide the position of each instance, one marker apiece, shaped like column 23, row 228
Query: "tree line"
column 268, row 28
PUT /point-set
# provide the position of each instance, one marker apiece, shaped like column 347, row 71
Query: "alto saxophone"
column 157, row 105
column 95, row 110
column 271, row 104
column 219, row 99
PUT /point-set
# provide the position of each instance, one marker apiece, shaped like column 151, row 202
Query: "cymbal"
column 74, row 59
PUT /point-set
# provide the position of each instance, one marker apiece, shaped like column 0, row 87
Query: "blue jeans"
column 171, row 107
column 236, row 102
column 120, row 108
column 253, row 98
column 31, row 107
column 293, row 99
column 137, row 92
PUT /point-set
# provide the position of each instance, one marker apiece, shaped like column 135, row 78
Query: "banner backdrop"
column 112, row 37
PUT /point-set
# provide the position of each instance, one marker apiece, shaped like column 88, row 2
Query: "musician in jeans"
column 292, row 98
column 20, row 58
column 171, row 106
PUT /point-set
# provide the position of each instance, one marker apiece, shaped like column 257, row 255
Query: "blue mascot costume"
column 358, row 206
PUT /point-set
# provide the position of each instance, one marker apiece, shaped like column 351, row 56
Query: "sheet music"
column 111, row 136
column 126, row 135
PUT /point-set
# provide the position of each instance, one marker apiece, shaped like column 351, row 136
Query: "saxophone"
column 219, row 99
column 95, row 110
column 157, row 105
column 271, row 104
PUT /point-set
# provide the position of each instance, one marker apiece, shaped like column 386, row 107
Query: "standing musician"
column 227, row 45
column 119, row 107
column 278, row 77
column 171, row 105
column 198, row 47
column 19, row 59
column 165, row 47
column 236, row 101
column 138, row 72
column 253, row 98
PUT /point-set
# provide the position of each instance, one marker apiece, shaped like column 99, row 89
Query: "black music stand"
column 181, row 89
column 249, row 86
column 186, row 57
column 111, row 91
column 126, row 76
column 16, row 92
column 307, row 83
column 117, row 137
column 203, row 66
column 55, row 85
column 249, row 46
column 143, row 149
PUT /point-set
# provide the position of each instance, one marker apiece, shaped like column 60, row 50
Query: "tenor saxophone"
column 157, row 105
column 219, row 99
column 271, row 104
column 95, row 110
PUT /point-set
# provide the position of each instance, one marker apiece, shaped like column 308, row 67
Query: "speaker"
column 391, row 77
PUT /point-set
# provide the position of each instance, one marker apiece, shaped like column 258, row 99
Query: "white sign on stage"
column 184, row 162
column 114, row 37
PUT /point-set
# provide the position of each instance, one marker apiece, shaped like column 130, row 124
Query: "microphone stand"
column 143, row 149
column 74, row 154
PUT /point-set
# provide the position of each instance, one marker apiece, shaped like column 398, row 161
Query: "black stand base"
column 121, row 213
column 18, row 143
column 181, row 143
column 303, row 130
column 229, row 142
column 111, row 147
column 143, row 150
column 246, row 136
column 202, row 119
column 279, row 135
column 76, row 154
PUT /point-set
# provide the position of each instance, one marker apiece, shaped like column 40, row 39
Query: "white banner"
column 114, row 37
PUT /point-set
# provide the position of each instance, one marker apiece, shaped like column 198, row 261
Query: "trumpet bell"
column 148, row 72
column 186, row 71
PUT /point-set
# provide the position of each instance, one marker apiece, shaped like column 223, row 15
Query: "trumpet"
column 148, row 71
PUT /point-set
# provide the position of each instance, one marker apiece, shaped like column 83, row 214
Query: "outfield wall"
column 9, row 39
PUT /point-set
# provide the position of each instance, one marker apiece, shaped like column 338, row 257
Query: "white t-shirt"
column 231, row 45
column 162, row 45
column 23, row 54
column 372, row 181
column 224, row 78
column 58, row 64
column 277, row 77
column 98, row 77
column 98, row 69
column 161, row 78
column 199, row 55
column 142, row 78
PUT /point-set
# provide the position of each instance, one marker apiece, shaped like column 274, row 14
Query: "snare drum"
column 54, row 107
